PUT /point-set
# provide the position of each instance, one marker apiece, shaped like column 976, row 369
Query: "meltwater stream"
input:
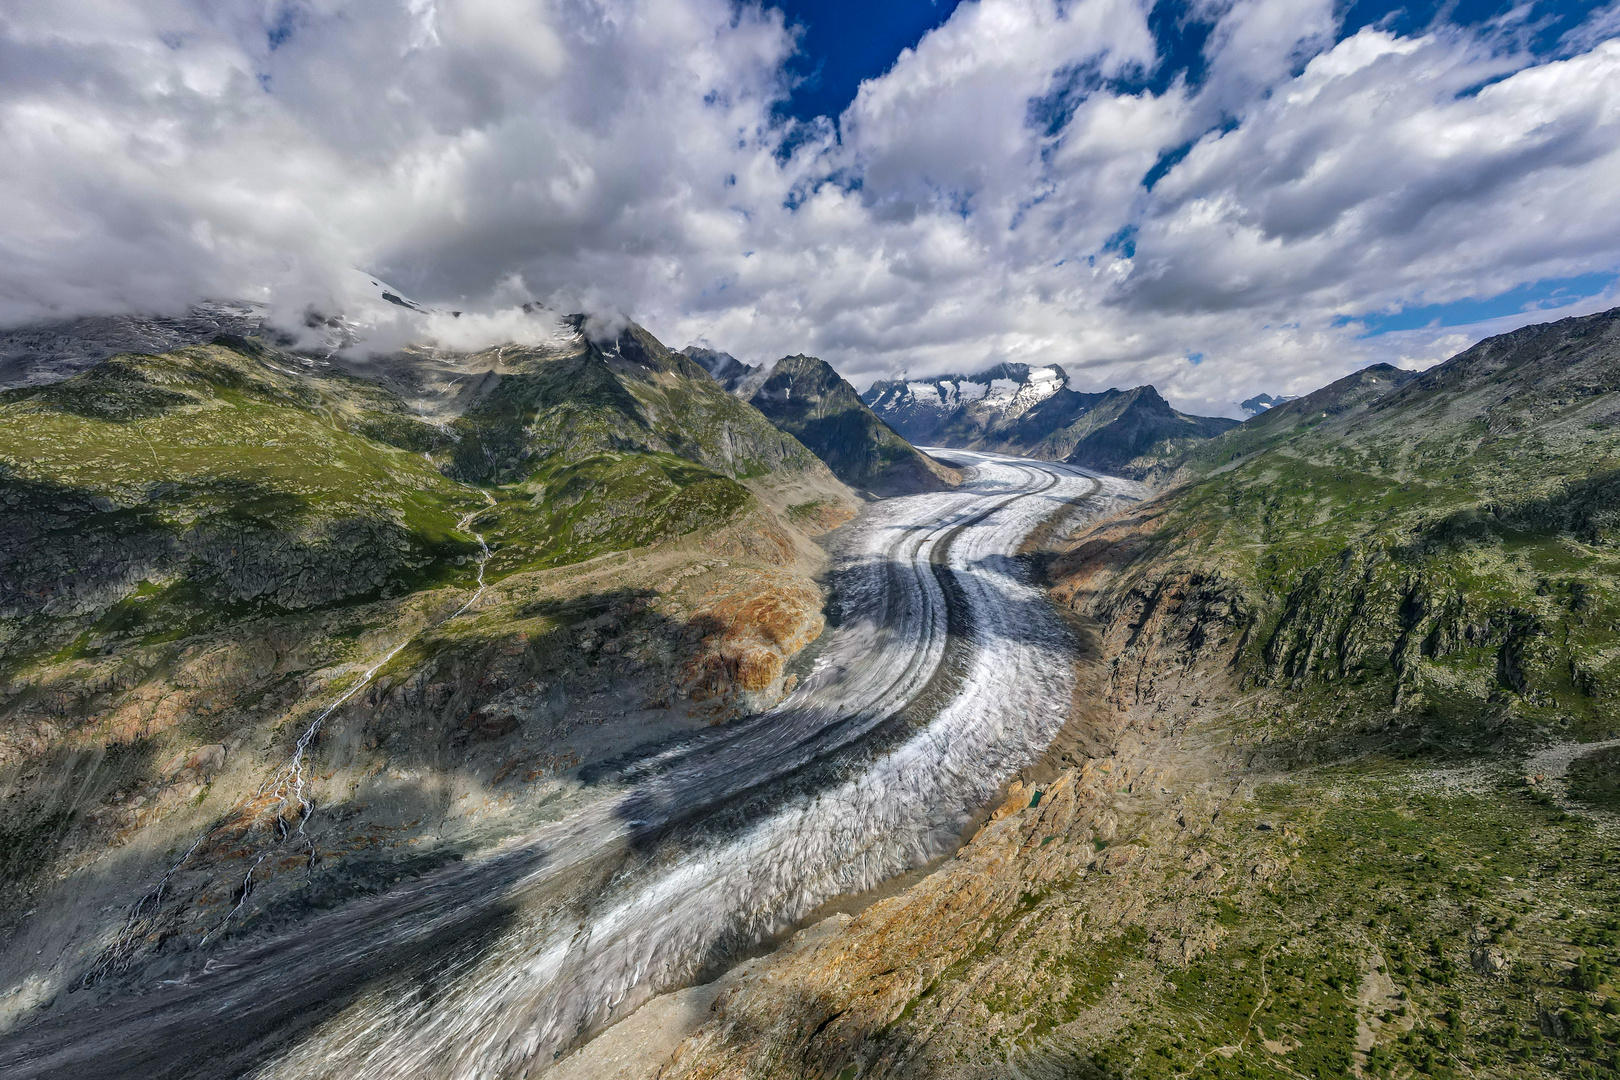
column 948, row 671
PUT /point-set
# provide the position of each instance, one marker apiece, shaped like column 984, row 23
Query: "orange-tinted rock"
column 748, row 634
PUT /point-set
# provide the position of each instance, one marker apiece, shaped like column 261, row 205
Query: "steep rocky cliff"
column 1309, row 817
column 1017, row 409
column 806, row 398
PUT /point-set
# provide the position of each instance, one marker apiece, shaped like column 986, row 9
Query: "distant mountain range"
column 806, row 398
column 1260, row 403
column 1030, row 411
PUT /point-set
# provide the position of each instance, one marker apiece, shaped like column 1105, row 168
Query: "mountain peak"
column 807, row 398
column 1261, row 402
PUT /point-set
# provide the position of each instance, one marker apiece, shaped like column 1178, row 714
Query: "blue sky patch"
column 280, row 30
column 1538, row 295
column 846, row 41
column 1541, row 27
column 843, row 42
column 1123, row 242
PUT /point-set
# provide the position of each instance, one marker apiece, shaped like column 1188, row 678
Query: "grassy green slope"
column 602, row 446
column 1340, row 400
column 1442, row 562
column 155, row 495
column 628, row 395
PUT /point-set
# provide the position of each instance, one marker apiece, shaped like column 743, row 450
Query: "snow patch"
column 1002, row 390
column 925, row 394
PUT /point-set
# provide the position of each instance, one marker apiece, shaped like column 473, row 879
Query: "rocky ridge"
column 805, row 397
column 1285, row 419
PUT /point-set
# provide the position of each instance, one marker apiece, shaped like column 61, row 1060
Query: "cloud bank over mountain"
column 1034, row 182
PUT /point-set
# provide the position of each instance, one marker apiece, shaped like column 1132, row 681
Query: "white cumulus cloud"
column 982, row 201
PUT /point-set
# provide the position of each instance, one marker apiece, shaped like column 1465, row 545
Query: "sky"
column 1219, row 197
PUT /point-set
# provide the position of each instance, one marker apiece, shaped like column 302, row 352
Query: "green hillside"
column 152, row 497
column 1440, row 559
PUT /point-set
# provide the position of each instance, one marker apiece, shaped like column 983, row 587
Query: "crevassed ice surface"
column 946, row 672
column 558, row 976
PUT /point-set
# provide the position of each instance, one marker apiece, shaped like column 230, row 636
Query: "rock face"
column 806, row 398
column 248, row 595
column 1031, row 412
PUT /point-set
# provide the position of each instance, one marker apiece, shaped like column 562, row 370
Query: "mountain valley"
column 213, row 550
column 1328, row 802
column 447, row 709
